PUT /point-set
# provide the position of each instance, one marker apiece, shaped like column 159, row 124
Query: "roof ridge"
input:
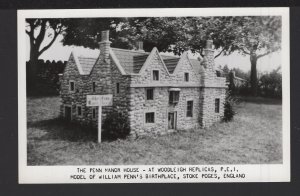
column 127, row 50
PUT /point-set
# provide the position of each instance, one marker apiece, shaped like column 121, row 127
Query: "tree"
column 257, row 36
column 37, row 30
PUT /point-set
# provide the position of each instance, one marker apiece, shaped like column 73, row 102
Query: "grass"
column 253, row 137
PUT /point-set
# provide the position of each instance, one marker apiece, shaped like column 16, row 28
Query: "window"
column 155, row 75
column 72, row 86
column 79, row 110
column 149, row 93
column 173, row 96
column 189, row 109
column 118, row 88
column 94, row 87
column 186, row 77
column 150, row 117
column 94, row 113
column 217, row 105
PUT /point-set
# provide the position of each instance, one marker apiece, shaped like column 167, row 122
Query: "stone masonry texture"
column 202, row 88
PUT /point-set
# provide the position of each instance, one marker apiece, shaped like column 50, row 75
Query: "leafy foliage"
column 116, row 126
column 270, row 84
column 229, row 111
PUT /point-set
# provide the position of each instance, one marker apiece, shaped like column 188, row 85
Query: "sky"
column 59, row 52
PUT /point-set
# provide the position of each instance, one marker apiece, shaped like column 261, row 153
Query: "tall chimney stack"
column 104, row 46
column 209, row 56
column 139, row 45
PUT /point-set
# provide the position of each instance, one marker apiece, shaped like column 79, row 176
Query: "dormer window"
column 155, row 75
column 186, row 77
column 71, row 86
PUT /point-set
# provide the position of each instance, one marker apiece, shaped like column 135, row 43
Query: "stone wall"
column 131, row 100
column 76, row 98
column 161, row 107
column 166, row 79
column 208, row 116
column 83, row 87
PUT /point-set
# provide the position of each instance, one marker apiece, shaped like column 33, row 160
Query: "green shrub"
column 115, row 126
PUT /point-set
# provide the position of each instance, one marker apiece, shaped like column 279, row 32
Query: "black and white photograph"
column 173, row 95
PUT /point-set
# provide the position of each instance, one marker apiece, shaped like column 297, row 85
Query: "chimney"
column 104, row 46
column 209, row 56
column 139, row 45
column 104, row 70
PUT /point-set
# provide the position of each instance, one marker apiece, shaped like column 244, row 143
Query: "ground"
column 253, row 137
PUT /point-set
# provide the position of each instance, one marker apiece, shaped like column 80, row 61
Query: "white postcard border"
column 61, row 174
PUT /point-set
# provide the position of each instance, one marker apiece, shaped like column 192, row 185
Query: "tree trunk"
column 34, row 55
column 253, row 76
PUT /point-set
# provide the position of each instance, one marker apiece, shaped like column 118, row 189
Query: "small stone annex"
column 158, row 93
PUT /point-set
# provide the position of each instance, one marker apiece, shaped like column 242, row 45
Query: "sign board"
column 99, row 100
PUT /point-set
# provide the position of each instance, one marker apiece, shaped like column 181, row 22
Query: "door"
column 172, row 120
column 68, row 113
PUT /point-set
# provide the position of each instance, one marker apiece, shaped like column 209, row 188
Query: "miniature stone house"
column 157, row 93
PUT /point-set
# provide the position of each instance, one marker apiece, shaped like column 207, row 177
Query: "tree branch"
column 220, row 52
column 262, row 55
column 244, row 51
column 50, row 44
column 42, row 33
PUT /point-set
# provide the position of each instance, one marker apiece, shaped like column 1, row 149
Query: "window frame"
column 93, row 86
column 217, row 105
column 149, row 112
column 70, row 90
column 94, row 116
column 79, row 106
column 173, row 94
column 117, row 88
column 158, row 74
column 189, row 113
column 147, row 94
column 186, row 76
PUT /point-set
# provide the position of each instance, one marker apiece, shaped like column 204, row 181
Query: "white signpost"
column 99, row 101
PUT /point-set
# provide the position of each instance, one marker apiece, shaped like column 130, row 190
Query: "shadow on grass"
column 59, row 129
column 261, row 100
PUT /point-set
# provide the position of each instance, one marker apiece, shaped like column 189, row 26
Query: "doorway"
column 68, row 113
column 172, row 120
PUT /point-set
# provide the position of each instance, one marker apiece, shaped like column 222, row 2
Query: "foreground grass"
column 254, row 137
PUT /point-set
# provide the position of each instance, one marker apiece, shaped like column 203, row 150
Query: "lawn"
column 253, row 137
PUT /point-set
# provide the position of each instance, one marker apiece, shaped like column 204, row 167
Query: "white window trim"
column 146, row 94
column 70, row 86
column 77, row 110
column 149, row 111
column 158, row 75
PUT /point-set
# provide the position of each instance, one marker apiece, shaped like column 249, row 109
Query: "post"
column 99, row 122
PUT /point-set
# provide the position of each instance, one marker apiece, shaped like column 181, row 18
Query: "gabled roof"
column 197, row 65
column 170, row 62
column 131, row 61
column 86, row 63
